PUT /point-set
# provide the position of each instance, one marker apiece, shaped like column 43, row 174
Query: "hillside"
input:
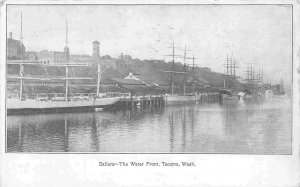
column 149, row 70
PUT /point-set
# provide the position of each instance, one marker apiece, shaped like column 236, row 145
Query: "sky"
column 258, row 34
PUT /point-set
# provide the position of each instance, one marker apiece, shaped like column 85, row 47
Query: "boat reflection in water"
column 248, row 128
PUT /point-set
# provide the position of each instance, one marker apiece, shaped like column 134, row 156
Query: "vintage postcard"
column 122, row 94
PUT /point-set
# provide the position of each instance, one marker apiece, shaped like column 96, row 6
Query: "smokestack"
column 10, row 35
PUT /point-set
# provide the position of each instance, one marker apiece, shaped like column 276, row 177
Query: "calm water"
column 263, row 128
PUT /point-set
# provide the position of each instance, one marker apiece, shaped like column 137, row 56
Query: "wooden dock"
column 155, row 101
column 152, row 101
column 210, row 98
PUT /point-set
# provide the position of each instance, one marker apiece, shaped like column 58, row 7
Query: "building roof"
column 126, row 81
column 14, row 43
column 148, row 80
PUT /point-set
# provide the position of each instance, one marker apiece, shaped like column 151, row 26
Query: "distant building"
column 206, row 69
column 54, row 57
column 31, row 55
column 15, row 49
column 85, row 59
column 125, row 57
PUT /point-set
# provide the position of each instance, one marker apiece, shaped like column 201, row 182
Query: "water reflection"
column 255, row 128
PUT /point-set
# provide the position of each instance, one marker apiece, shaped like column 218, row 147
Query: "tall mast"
column 253, row 77
column 21, row 34
column 184, row 55
column 224, row 76
column 193, row 72
column 21, row 65
column 99, row 74
column 172, row 73
column 184, row 65
column 227, row 72
column 247, row 71
column 185, row 77
column 66, row 33
column 234, row 66
column 262, row 76
column 67, row 50
column 67, row 69
column 251, row 68
column 231, row 65
column 258, row 82
column 259, row 76
column 21, row 38
column 224, row 86
column 249, row 76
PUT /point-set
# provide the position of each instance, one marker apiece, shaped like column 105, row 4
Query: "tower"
column 96, row 52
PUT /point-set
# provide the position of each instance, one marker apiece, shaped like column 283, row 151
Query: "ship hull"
column 181, row 99
column 15, row 106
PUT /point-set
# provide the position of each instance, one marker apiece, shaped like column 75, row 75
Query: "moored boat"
column 17, row 106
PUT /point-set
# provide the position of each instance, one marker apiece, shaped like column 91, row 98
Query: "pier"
column 210, row 98
column 156, row 101
column 148, row 101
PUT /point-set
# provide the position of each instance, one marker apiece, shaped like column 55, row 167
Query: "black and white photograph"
column 149, row 79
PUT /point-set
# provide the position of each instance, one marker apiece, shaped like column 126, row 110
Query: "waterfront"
column 247, row 128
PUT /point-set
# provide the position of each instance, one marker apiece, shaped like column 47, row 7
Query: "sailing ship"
column 58, row 101
column 255, row 88
column 227, row 93
column 279, row 88
column 185, row 98
column 18, row 103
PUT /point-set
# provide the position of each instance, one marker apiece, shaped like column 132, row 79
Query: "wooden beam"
column 50, row 78
column 46, row 63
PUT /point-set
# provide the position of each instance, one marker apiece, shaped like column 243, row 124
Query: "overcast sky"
column 255, row 34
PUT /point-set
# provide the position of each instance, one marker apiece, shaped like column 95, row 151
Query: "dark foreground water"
column 261, row 128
